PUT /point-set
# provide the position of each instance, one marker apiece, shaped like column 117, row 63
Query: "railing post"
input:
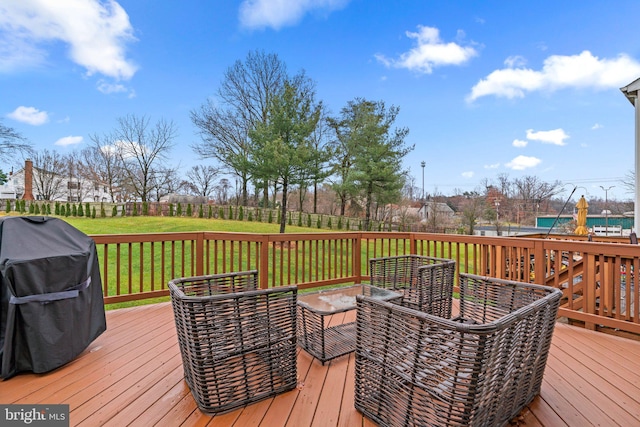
column 199, row 249
column 263, row 273
column 540, row 262
column 357, row 258
column 412, row 244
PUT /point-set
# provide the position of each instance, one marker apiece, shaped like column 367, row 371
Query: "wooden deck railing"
column 598, row 279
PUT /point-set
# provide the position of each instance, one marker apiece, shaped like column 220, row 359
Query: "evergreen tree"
column 319, row 221
column 170, row 209
column 250, row 216
column 290, row 220
column 179, row 210
column 103, row 213
column 32, row 208
column 87, row 209
column 36, row 209
column 145, row 208
column 63, row 211
column 210, row 212
column 135, row 209
column 309, row 220
column 189, row 210
column 299, row 219
column 371, row 168
column 270, row 216
column 240, row 214
column 68, row 209
column 74, row 210
column 114, row 212
column 231, row 212
column 80, row 210
column 329, row 225
column 57, row 208
column 282, row 151
column 339, row 223
column 93, row 212
column 8, row 206
column 221, row 213
column 200, row 212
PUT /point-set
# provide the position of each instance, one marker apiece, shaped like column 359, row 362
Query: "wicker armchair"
column 477, row 369
column 426, row 282
column 238, row 343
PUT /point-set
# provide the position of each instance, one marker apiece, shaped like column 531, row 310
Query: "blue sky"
column 486, row 88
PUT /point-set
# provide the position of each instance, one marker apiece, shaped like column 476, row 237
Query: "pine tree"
column 80, row 210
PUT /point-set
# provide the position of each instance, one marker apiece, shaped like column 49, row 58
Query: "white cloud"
column 596, row 126
column 492, row 166
column 468, row 174
column 430, row 51
column 558, row 71
column 515, row 61
column 69, row 140
column 95, row 31
column 276, row 14
column 555, row 137
column 523, row 162
column 29, row 115
column 519, row 143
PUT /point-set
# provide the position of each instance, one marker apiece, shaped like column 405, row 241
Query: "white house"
column 60, row 188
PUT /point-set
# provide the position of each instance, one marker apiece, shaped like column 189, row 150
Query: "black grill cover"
column 51, row 305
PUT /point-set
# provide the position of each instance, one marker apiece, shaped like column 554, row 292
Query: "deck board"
column 132, row 375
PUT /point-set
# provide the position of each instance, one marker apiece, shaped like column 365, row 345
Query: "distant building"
column 22, row 185
column 431, row 209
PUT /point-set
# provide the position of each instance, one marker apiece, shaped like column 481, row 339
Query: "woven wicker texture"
column 238, row 343
column 479, row 369
column 326, row 342
column 426, row 282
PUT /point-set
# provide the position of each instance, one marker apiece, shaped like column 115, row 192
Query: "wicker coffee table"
column 326, row 343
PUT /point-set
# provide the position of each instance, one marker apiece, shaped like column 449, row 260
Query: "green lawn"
column 154, row 224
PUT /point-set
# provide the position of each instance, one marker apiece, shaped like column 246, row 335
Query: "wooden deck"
column 132, row 375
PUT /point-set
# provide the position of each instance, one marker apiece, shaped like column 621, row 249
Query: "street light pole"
column 423, row 164
column 606, row 209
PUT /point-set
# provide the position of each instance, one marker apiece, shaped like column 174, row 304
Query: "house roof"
column 631, row 90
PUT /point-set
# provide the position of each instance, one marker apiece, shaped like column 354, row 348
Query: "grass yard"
column 154, row 224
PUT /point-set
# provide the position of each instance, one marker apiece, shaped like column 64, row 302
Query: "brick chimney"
column 28, row 180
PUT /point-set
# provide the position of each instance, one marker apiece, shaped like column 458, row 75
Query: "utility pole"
column 424, row 204
column 606, row 209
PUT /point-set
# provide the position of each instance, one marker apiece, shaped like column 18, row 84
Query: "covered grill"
column 51, row 305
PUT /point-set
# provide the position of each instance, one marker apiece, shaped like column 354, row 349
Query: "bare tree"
column 202, row 178
column 12, row 143
column 165, row 181
column 49, row 175
column 103, row 164
column 244, row 96
column 143, row 149
column 77, row 180
column 222, row 190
